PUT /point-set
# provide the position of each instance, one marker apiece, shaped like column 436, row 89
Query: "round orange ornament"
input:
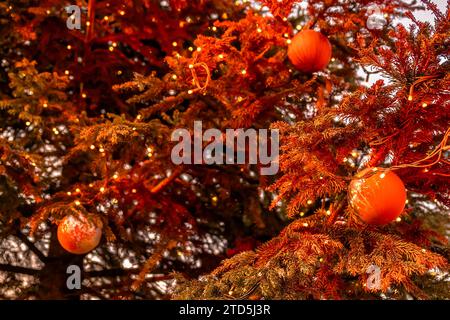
column 309, row 51
column 78, row 234
column 377, row 195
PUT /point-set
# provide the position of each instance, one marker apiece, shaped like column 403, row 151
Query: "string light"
column 309, row 201
column 288, row 41
column 328, row 212
column 410, row 98
column 69, row 47
column 191, row 49
column 302, row 214
column 174, row 44
column 424, row 105
column 122, row 13
column 77, row 202
column 115, row 176
column 102, row 189
column 77, row 190
column 133, row 191
column 83, row 95
column 259, row 30
column 45, row 105
column 67, row 72
column 244, row 72
column 69, row 193
column 398, row 219
column 92, row 147
column 174, row 77
column 214, row 28
column 28, row 123
column 220, row 56
column 190, row 91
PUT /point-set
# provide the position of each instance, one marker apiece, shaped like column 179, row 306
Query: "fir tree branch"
column 18, row 269
column 31, row 246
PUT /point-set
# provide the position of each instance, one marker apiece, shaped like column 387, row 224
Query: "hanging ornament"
column 79, row 234
column 309, row 51
column 377, row 195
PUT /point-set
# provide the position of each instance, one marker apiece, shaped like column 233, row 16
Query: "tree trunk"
column 53, row 280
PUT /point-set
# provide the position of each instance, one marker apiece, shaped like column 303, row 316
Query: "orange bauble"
column 78, row 234
column 309, row 51
column 377, row 195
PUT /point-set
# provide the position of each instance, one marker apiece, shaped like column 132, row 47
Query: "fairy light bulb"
column 410, row 98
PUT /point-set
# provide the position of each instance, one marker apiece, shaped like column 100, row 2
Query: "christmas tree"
column 94, row 96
